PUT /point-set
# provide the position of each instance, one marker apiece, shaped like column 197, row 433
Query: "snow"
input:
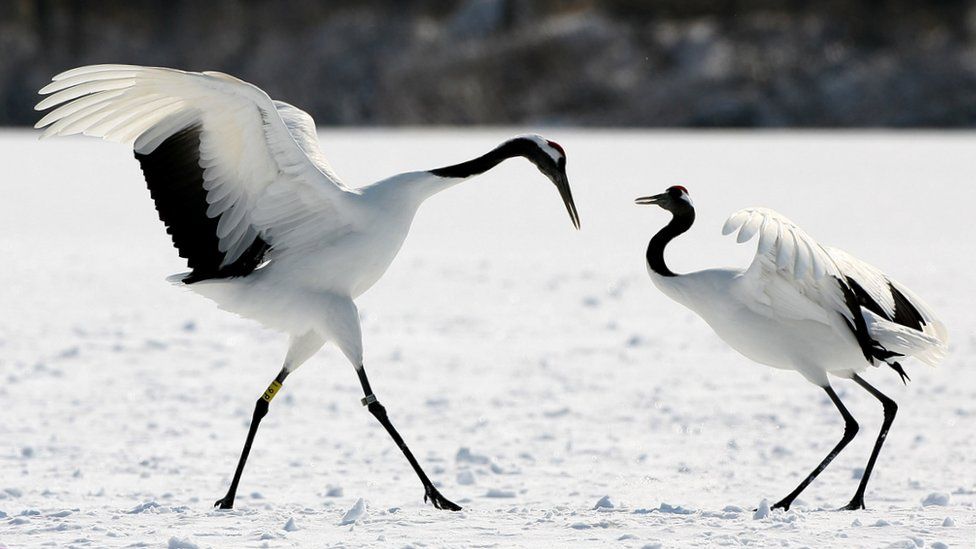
column 604, row 503
column 511, row 351
column 352, row 516
column 466, row 477
column 177, row 543
column 762, row 511
column 936, row 498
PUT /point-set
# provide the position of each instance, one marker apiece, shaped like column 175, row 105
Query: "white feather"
column 749, row 228
column 905, row 341
column 247, row 144
column 793, row 271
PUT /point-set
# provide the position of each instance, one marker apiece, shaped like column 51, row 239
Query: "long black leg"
column 379, row 412
column 890, row 409
column 850, row 429
column 260, row 410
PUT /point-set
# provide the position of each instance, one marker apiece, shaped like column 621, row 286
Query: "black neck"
column 681, row 222
column 508, row 149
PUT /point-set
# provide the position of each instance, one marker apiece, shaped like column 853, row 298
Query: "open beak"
column 562, row 183
column 651, row 200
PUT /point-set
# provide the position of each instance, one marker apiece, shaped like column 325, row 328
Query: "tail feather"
column 894, row 337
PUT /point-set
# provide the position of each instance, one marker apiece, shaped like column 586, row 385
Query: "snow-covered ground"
column 533, row 369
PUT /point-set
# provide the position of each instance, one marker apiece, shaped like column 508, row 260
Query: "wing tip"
column 88, row 69
column 51, row 86
column 733, row 222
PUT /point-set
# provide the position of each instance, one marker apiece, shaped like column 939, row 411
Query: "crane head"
column 550, row 158
column 676, row 198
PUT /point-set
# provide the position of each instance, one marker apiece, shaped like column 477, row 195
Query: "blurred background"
column 591, row 63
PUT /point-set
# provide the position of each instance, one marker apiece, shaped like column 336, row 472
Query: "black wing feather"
column 175, row 180
column 905, row 313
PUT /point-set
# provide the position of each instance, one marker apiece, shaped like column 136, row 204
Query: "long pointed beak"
column 650, row 200
column 562, row 183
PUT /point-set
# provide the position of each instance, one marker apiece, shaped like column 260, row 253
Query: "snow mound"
column 604, row 503
column 465, row 455
column 143, row 507
column 762, row 511
column 355, row 513
column 936, row 498
column 181, row 543
column 674, row 509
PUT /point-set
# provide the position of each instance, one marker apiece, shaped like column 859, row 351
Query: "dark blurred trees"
column 581, row 62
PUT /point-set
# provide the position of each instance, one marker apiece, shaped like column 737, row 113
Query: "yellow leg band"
column 271, row 391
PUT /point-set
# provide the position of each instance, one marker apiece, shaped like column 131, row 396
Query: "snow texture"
column 532, row 369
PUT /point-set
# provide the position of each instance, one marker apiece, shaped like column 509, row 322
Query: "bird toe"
column 439, row 501
column 856, row 504
column 223, row 503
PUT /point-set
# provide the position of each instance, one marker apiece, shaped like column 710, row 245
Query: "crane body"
column 804, row 307
column 268, row 229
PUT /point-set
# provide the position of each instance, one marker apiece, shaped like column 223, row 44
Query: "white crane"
column 802, row 306
column 267, row 228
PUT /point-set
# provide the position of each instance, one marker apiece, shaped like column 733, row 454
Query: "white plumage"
column 793, row 277
column 801, row 306
column 263, row 170
column 269, row 230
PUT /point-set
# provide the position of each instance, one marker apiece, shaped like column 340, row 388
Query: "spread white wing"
column 264, row 179
column 793, row 277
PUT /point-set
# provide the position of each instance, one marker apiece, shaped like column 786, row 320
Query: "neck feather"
column 680, row 222
column 485, row 162
column 419, row 186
